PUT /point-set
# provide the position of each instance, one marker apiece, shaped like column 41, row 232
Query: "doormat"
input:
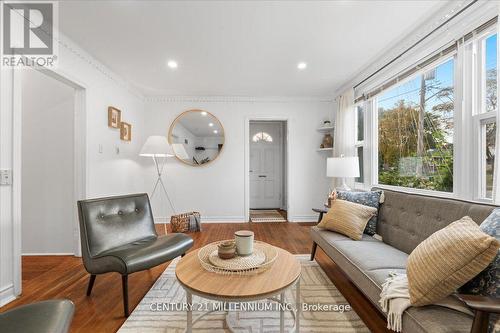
column 271, row 215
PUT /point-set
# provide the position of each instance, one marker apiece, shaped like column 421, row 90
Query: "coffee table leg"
column 299, row 306
column 189, row 301
column 282, row 313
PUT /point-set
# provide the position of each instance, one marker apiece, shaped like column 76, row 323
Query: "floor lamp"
column 157, row 146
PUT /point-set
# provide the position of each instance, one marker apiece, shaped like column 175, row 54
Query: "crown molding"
column 65, row 42
column 411, row 37
column 236, row 99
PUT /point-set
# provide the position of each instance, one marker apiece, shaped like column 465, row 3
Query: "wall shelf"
column 326, row 129
column 324, row 149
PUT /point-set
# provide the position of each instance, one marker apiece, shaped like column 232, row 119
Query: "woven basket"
column 180, row 222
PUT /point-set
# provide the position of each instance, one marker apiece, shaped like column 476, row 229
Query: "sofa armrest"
column 481, row 303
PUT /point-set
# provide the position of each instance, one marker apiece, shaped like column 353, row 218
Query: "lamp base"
column 344, row 186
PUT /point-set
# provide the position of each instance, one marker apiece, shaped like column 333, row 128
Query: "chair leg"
column 313, row 251
column 125, row 294
column 91, row 284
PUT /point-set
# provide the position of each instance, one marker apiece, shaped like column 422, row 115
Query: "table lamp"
column 342, row 167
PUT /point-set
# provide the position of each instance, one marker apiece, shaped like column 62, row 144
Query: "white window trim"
column 358, row 144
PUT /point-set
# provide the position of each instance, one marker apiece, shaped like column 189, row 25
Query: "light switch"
column 5, row 177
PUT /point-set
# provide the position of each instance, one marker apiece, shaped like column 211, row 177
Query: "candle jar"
column 244, row 242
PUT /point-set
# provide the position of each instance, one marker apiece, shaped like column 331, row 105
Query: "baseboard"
column 48, row 254
column 208, row 219
column 303, row 218
column 7, row 294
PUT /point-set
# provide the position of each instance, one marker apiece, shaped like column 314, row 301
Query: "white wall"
column 47, row 164
column 217, row 189
column 107, row 173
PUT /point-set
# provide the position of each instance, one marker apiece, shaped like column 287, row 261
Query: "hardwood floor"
column 51, row 277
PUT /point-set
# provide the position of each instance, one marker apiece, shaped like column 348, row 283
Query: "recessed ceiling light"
column 211, row 124
column 216, row 131
column 204, row 113
column 302, row 65
column 172, row 64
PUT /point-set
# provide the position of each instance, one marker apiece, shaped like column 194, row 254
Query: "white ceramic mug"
column 244, row 242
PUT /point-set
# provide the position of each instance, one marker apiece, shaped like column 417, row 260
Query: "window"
column 415, row 131
column 262, row 136
column 485, row 115
column 360, row 135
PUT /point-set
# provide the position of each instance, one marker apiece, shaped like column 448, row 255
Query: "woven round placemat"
column 258, row 257
column 263, row 258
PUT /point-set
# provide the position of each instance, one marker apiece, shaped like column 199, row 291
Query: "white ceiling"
column 239, row 48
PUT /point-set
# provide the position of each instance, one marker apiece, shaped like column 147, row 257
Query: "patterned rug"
column 316, row 288
column 271, row 215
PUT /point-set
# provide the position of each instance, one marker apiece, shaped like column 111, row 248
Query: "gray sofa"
column 404, row 221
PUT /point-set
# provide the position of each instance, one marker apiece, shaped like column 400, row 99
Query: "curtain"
column 345, row 129
column 496, row 170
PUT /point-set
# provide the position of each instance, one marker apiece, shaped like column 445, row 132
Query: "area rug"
column 316, row 289
column 271, row 215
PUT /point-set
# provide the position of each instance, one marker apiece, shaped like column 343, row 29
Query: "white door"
column 266, row 165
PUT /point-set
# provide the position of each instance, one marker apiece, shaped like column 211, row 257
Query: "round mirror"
column 197, row 137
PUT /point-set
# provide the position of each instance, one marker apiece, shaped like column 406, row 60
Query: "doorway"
column 267, row 166
column 47, row 165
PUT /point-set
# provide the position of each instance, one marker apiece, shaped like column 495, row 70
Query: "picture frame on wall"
column 125, row 131
column 114, row 117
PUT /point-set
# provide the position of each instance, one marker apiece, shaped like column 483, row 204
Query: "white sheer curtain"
column 345, row 129
column 496, row 171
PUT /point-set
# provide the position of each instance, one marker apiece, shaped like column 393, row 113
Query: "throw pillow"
column 371, row 199
column 447, row 260
column 347, row 218
column 487, row 283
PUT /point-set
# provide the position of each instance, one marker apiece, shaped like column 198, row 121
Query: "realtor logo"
column 29, row 33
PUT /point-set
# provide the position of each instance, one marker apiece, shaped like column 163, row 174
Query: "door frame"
column 286, row 160
column 80, row 168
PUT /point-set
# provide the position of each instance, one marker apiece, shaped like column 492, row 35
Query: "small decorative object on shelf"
column 244, row 242
column 327, row 123
column 327, row 141
column 226, row 250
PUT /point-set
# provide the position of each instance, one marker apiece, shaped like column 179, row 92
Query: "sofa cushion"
column 370, row 198
column 347, row 218
column 415, row 319
column 405, row 220
column 447, row 259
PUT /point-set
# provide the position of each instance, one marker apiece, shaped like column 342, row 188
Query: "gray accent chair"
column 52, row 316
column 118, row 235
column 404, row 221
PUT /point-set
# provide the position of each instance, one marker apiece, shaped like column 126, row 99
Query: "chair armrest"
column 481, row 303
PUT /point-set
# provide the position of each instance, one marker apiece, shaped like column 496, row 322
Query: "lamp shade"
column 341, row 167
column 157, row 145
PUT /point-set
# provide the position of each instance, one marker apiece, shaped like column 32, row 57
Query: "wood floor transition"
column 52, row 277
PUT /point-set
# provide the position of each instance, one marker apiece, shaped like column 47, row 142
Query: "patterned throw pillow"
column 370, row 199
column 487, row 283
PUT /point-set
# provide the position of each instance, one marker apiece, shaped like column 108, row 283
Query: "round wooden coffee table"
column 283, row 274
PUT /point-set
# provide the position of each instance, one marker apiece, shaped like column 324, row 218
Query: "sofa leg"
column 91, row 284
column 182, row 255
column 313, row 251
column 480, row 323
column 125, row 294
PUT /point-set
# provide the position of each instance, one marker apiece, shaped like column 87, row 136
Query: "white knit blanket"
column 395, row 299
